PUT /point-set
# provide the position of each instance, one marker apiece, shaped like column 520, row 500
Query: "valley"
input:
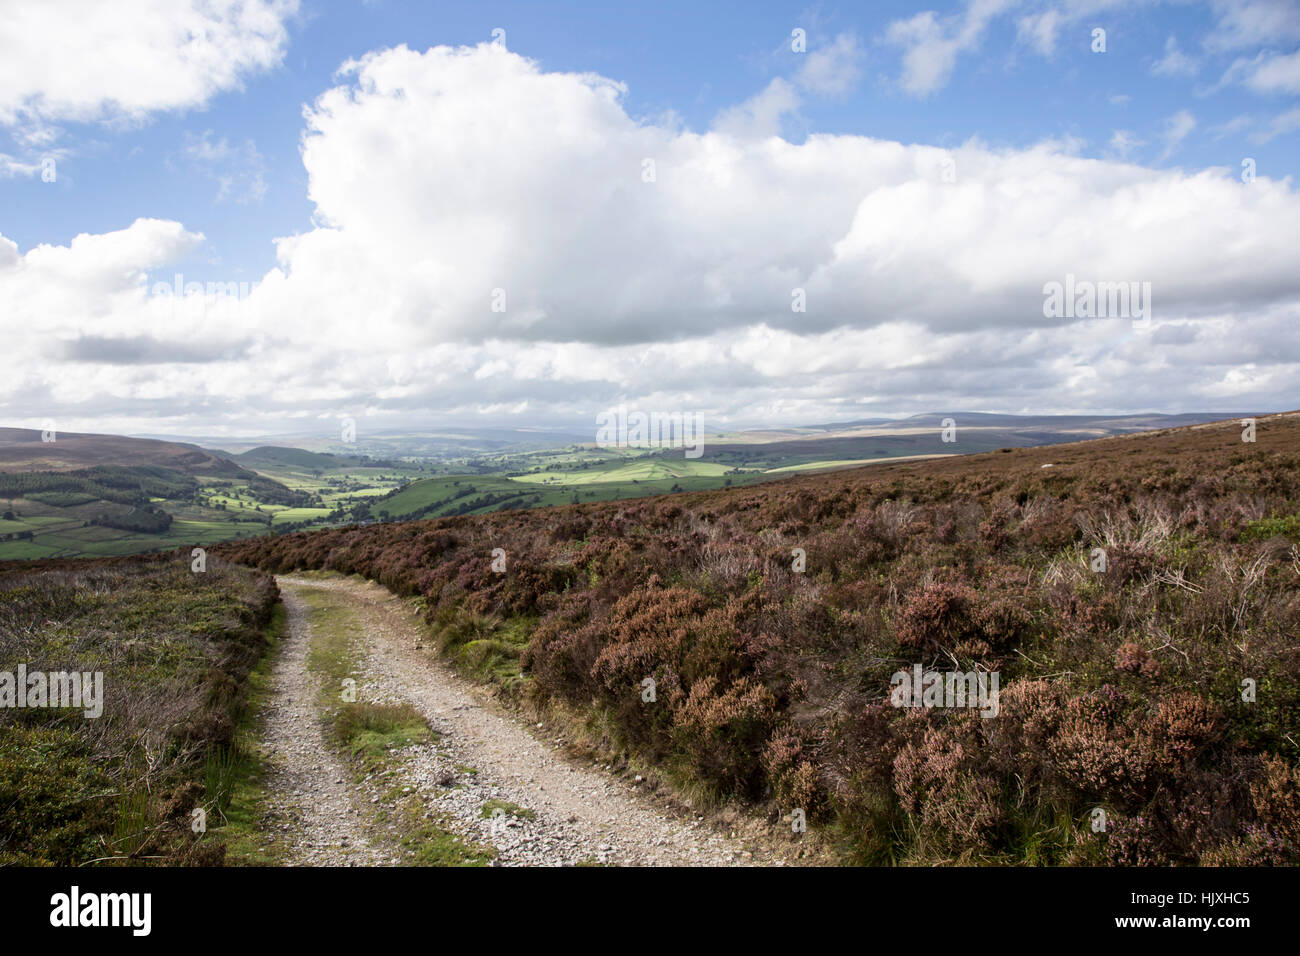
column 106, row 495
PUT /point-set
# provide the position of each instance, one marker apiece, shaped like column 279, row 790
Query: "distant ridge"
column 277, row 455
column 22, row 450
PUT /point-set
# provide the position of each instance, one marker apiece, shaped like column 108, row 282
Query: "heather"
column 1139, row 598
column 175, row 648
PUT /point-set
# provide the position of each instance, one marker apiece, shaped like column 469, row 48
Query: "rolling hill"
column 84, row 494
column 276, row 456
column 21, row 449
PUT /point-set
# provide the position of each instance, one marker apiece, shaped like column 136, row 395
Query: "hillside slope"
column 296, row 457
column 21, row 449
column 83, row 495
column 1138, row 598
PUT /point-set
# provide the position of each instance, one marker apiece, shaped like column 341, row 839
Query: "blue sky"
column 1182, row 90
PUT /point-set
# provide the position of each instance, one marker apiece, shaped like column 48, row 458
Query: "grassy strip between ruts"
column 375, row 739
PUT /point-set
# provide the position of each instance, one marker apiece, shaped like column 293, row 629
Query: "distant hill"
column 294, row 457
column 1077, row 426
column 22, row 450
column 86, row 494
column 858, row 442
column 389, row 444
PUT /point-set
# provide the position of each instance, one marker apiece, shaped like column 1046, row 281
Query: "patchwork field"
column 192, row 497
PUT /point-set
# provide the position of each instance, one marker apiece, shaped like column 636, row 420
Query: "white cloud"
column 129, row 58
column 1123, row 142
column 439, row 177
column 1039, row 30
column 1177, row 128
column 1175, row 62
column 1246, row 23
column 1280, row 125
column 1238, row 124
column 1272, row 74
column 760, row 116
column 238, row 170
column 11, row 167
column 931, row 45
column 1042, row 26
column 831, row 70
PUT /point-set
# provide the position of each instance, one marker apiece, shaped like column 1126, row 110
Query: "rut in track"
column 311, row 805
column 571, row 813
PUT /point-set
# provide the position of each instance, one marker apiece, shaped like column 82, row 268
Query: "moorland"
column 1139, row 597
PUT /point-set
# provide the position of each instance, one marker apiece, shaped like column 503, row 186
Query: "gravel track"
column 311, row 806
column 579, row 814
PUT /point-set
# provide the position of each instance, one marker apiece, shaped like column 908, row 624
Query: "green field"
column 635, row 470
column 58, row 523
column 607, row 479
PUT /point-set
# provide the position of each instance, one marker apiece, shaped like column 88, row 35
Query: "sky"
column 253, row 217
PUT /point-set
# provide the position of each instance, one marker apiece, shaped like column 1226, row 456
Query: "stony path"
column 311, row 805
column 578, row 814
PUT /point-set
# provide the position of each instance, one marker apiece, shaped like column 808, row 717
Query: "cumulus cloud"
column 130, row 58
column 487, row 244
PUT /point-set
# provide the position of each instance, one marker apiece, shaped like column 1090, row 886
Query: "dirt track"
column 578, row 814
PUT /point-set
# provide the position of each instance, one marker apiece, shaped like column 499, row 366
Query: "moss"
column 1265, row 528
column 510, row 809
column 237, row 785
column 431, row 843
column 369, row 731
